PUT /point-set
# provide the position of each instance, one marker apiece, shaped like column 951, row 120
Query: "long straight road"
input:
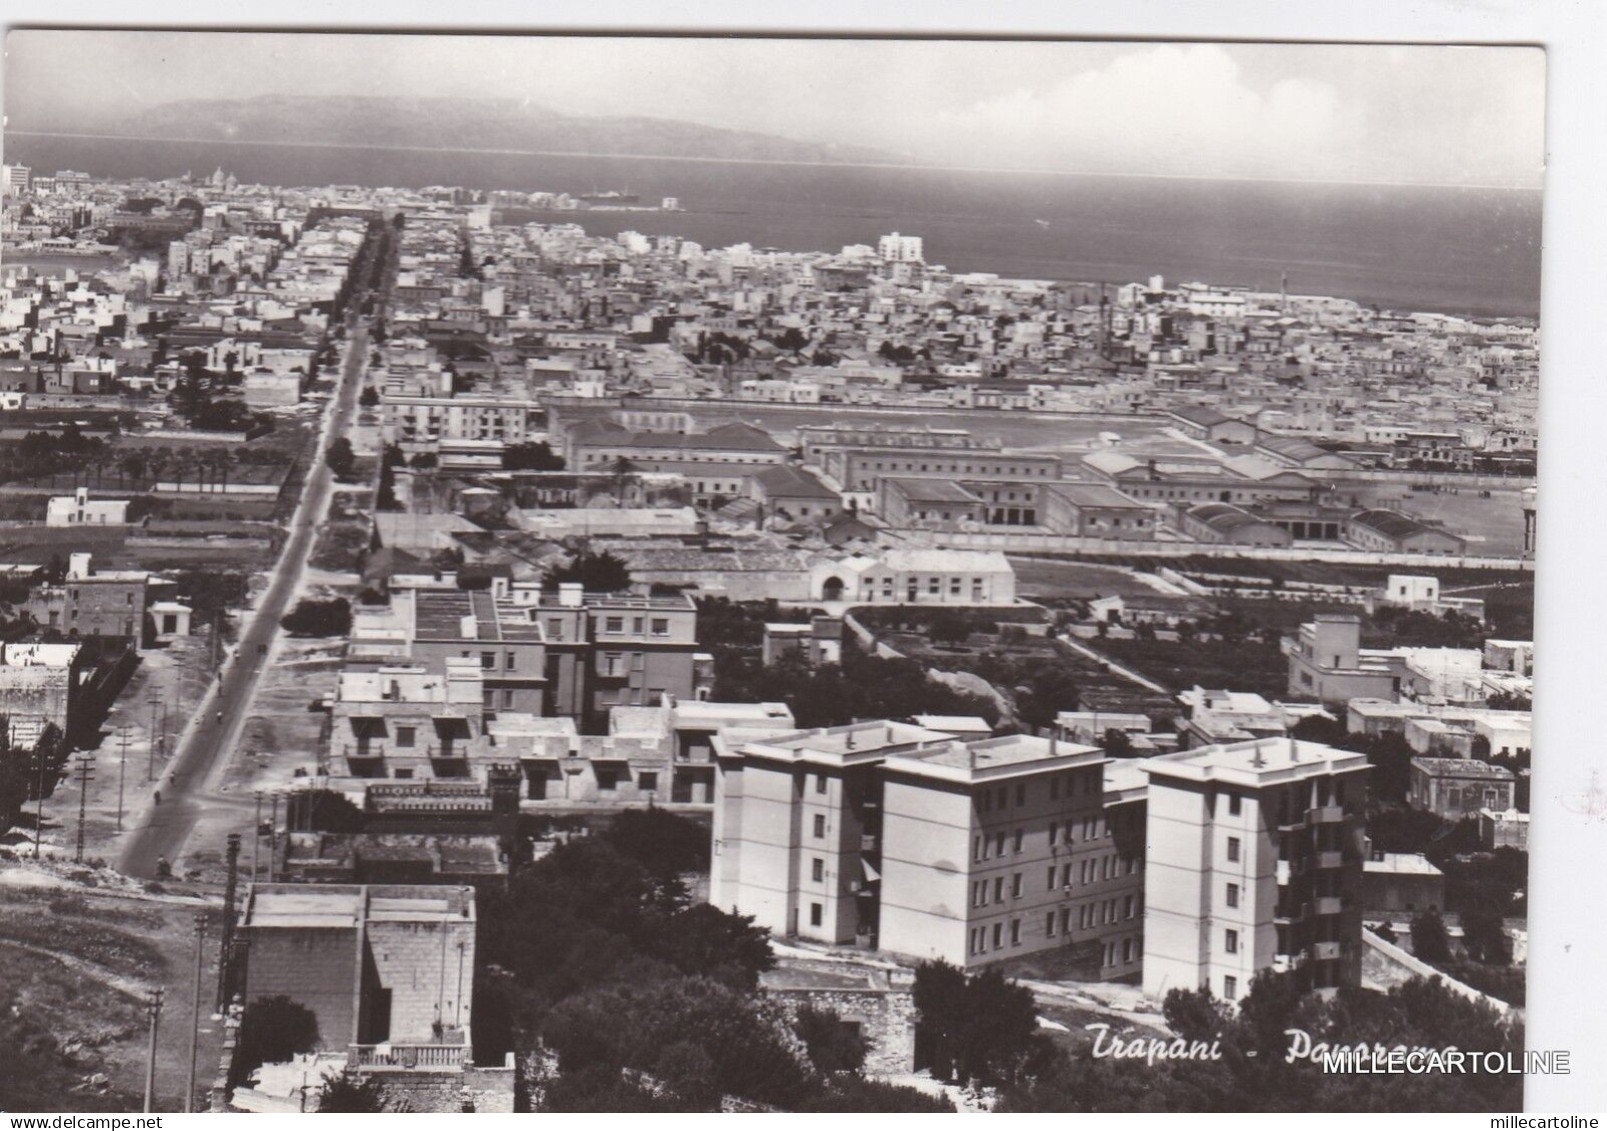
column 206, row 743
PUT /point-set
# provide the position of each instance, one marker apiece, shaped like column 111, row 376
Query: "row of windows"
column 1084, row 783
column 986, row 938
column 1092, row 871
column 957, row 469
column 1093, row 828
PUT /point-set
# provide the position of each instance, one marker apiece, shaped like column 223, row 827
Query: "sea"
column 1472, row 251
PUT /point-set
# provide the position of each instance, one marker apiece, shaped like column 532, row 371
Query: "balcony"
column 869, row 842
column 1327, row 815
column 1329, row 905
column 427, row 1055
column 1282, row 963
column 1330, row 859
column 1293, row 824
column 1325, row 951
column 1291, row 914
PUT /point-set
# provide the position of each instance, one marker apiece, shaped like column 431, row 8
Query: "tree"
column 530, row 457
column 369, row 397
column 272, row 1031
column 346, row 1094
column 598, row 573
column 982, row 1027
column 1485, row 938
column 948, row 627
column 1430, row 942
column 1048, row 691
column 834, row 1046
column 319, row 618
column 660, row 841
column 341, row 459
column 1117, row 743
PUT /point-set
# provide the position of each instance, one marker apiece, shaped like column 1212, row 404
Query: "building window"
column 510, row 661
column 1015, row 886
column 488, row 660
column 1231, row 943
column 555, row 628
column 1015, row 932
column 976, row 940
column 1021, row 793
column 817, row 870
column 1065, row 920
column 1049, row 882
column 1233, row 849
column 614, row 625
column 1127, row 908
column 998, row 935
column 998, row 844
column 1127, row 951
column 1230, row 987
column 1235, row 803
column 820, row 826
column 1054, row 826
column 1233, row 895
column 998, row 889
column 1049, row 924
column 820, row 783
column 405, row 736
column 1018, row 839
column 661, row 626
column 979, row 848
column 647, row 781
column 1065, row 875
column 816, row 915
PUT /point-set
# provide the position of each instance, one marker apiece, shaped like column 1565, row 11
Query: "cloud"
column 1183, row 109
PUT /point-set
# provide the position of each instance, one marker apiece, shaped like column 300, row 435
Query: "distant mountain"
column 462, row 123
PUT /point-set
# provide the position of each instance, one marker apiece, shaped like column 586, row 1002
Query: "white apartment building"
column 1254, row 863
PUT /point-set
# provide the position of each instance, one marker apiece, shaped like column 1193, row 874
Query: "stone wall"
column 473, row 1089
column 882, row 1005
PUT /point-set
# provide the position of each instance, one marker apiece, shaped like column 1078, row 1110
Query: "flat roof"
column 334, row 906
column 1255, row 763
column 988, row 759
column 1402, row 864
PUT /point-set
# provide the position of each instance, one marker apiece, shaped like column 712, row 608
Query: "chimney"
column 1259, row 761
column 571, row 594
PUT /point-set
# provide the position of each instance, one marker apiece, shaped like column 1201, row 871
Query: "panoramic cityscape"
column 514, row 642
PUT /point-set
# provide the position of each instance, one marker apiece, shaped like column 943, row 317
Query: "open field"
column 76, row 962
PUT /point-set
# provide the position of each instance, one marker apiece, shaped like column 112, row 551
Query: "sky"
column 1421, row 115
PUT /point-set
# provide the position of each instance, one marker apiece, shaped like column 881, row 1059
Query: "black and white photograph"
column 680, row 573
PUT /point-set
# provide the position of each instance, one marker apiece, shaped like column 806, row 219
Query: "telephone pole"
column 122, row 771
column 150, row 757
column 195, row 1009
column 39, row 809
column 86, row 772
column 153, row 1005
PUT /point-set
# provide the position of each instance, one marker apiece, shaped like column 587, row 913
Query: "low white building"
column 78, row 509
column 916, row 577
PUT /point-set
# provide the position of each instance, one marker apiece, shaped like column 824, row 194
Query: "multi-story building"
column 541, row 653
column 1255, row 853
column 1093, row 510
column 925, row 845
column 863, row 469
column 92, row 602
column 14, row 179
column 388, row 971
column 1455, row 788
column 1328, row 663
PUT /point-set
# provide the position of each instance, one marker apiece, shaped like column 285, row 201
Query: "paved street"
column 203, row 754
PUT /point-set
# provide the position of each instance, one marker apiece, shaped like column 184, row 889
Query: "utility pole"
column 256, row 837
column 86, row 770
column 273, row 834
column 150, row 756
column 195, row 1009
column 226, row 942
column 39, row 809
column 153, row 1004
column 122, row 770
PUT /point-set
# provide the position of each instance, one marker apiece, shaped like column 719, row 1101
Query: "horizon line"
column 904, row 165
